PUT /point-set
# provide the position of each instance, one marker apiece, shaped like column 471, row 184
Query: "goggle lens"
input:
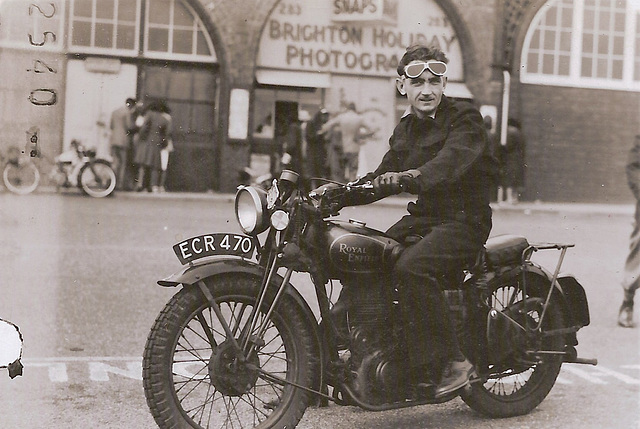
column 414, row 70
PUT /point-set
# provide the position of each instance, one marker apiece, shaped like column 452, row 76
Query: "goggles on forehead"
column 414, row 70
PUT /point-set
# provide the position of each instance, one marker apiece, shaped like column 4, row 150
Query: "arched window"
column 584, row 43
column 172, row 29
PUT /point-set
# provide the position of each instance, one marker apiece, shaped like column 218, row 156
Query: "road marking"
column 594, row 373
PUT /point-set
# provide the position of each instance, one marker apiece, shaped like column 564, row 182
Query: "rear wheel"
column 522, row 367
column 97, row 179
column 21, row 176
column 194, row 377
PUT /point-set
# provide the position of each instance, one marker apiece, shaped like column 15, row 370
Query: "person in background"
column 317, row 144
column 121, row 139
column 352, row 127
column 513, row 162
column 165, row 153
column 631, row 280
column 151, row 139
column 497, row 192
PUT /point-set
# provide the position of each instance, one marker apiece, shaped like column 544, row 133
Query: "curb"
column 396, row 201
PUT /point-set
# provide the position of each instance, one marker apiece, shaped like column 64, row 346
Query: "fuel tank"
column 355, row 248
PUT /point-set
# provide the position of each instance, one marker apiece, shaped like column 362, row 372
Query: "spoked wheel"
column 517, row 381
column 21, row 176
column 194, row 376
column 97, row 179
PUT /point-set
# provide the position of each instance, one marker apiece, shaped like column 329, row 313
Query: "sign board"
column 382, row 11
column 342, row 36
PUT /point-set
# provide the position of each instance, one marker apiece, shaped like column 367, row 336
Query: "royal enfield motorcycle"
column 238, row 346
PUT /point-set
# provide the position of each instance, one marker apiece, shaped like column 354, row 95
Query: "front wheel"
column 193, row 376
column 97, row 179
column 21, row 176
column 522, row 367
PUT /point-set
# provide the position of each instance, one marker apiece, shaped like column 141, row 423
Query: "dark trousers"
column 447, row 247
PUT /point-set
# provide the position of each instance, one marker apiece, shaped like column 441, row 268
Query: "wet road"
column 78, row 277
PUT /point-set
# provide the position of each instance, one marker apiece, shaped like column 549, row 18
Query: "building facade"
column 235, row 74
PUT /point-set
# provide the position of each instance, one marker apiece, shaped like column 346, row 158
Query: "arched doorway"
column 146, row 49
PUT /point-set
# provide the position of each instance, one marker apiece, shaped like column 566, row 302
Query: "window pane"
column 127, row 10
column 602, row 68
column 82, row 8
column 203, row 46
column 549, row 41
column 616, row 69
column 589, row 20
column 81, row 33
column 126, row 37
column 159, row 12
column 565, row 41
column 563, row 65
column 535, row 40
column 159, row 39
column 104, row 9
column 603, row 44
column 547, row 64
column 587, row 67
column 104, row 35
column 605, row 23
column 532, row 63
column 182, row 41
column 182, row 15
column 618, row 45
column 587, row 43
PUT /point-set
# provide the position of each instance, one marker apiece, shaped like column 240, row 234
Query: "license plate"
column 215, row 245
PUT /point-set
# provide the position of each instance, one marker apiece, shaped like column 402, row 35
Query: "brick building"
column 235, row 73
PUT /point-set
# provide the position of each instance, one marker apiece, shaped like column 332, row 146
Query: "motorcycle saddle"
column 505, row 249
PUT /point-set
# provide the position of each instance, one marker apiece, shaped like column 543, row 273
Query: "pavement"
column 526, row 207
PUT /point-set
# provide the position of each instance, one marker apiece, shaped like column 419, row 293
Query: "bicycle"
column 20, row 174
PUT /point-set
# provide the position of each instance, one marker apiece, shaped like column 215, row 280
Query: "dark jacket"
column 454, row 157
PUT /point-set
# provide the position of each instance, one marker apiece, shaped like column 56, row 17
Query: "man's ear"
column 444, row 82
column 400, row 86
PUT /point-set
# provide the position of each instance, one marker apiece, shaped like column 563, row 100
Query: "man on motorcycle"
column 441, row 152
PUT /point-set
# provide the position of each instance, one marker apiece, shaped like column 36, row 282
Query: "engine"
column 377, row 365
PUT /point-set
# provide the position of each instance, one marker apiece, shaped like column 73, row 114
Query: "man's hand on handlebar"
column 392, row 183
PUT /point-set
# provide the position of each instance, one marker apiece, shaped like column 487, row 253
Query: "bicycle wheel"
column 97, row 179
column 21, row 177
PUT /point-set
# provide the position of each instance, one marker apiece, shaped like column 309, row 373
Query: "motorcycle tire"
column 517, row 387
column 191, row 374
column 21, row 178
column 97, row 179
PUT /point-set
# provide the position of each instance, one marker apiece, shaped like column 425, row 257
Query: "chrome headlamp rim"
column 258, row 197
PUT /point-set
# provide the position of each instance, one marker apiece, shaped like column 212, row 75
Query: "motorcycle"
column 238, row 346
column 80, row 167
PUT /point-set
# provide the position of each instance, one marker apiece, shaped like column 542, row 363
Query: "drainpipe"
column 506, row 93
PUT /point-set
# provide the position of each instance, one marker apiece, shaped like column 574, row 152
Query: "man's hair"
column 419, row 52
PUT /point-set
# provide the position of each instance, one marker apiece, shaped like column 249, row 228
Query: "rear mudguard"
column 191, row 274
column 571, row 292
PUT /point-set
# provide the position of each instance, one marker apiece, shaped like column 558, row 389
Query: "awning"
column 457, row 90
column 293, row 78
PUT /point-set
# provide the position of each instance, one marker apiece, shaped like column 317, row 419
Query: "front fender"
column 191, row 274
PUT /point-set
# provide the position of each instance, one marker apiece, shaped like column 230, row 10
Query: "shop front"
column 94, row 54
column 321, row 54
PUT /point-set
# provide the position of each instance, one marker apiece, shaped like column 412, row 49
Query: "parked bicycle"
column 20, row 174
column 82, row 168
column 76, row 167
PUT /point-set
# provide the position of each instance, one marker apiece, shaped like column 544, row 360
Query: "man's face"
column 424, row 92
